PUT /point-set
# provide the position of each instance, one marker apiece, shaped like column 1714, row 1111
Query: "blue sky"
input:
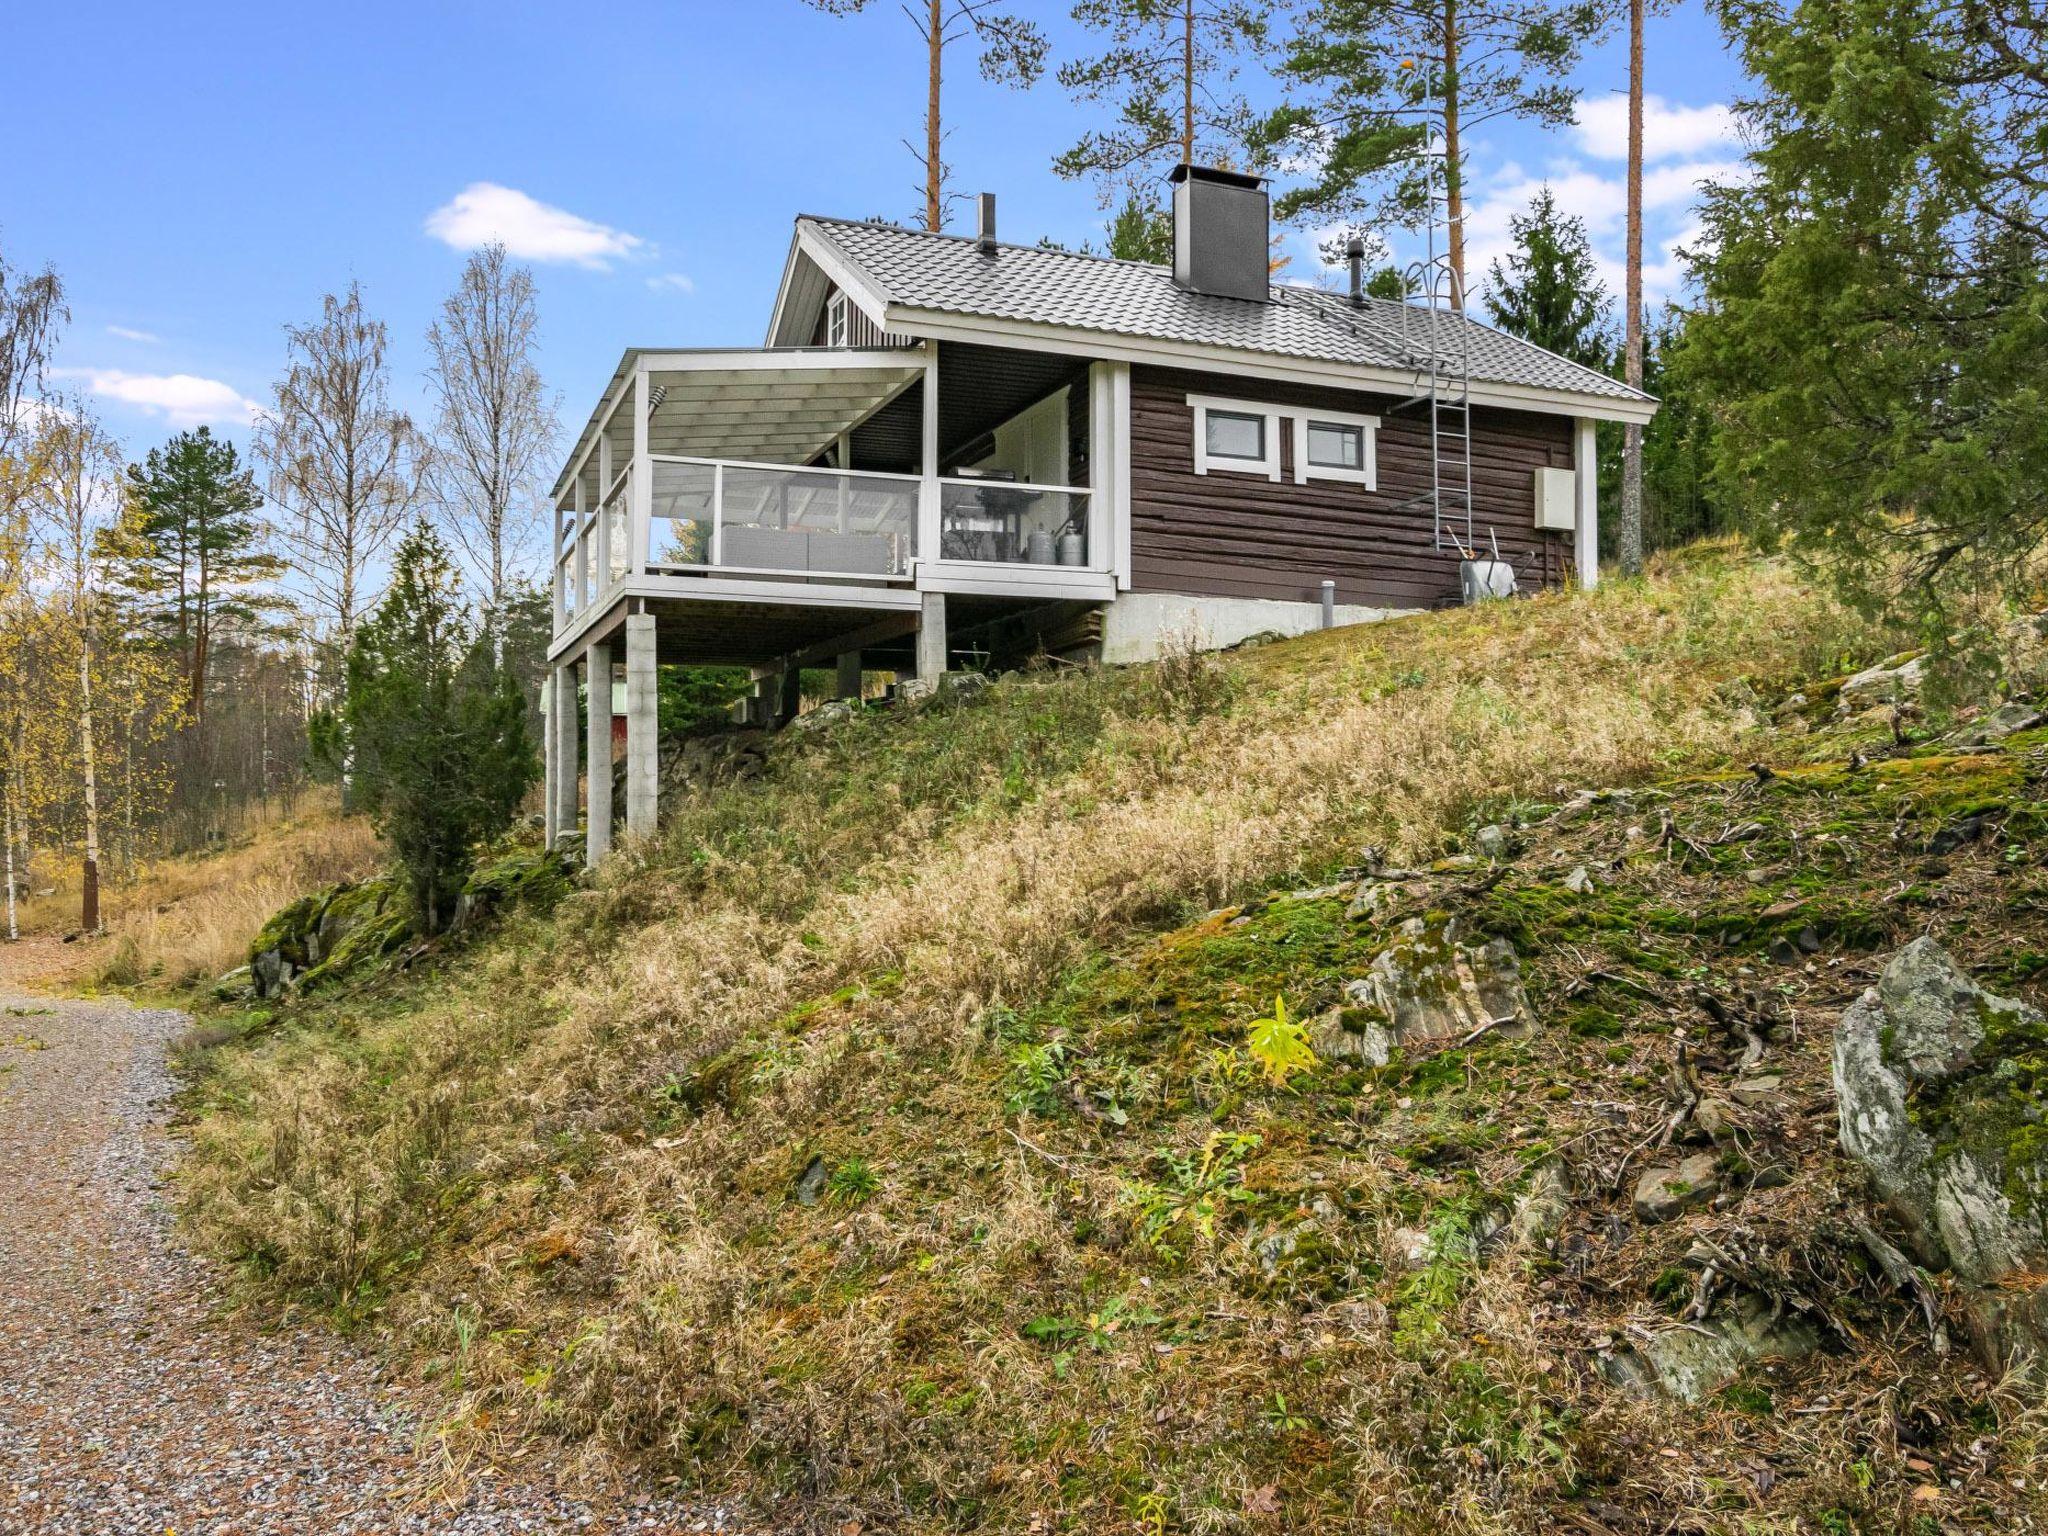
column 203, row 174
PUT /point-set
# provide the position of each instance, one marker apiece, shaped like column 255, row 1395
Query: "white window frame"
column 838, row 315
column 1367, row 473
column 1268, row 467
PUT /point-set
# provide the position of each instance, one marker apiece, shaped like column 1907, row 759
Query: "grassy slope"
column 187, row 919
column 920, row 961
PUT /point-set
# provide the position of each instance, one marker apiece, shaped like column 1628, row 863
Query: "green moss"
column 1997, row 1115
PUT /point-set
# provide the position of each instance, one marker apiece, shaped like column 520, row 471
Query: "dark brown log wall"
column 1235, row 535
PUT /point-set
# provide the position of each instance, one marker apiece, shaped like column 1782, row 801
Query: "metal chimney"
column 985, row 229
column 1354, row 253
column 1221, row 233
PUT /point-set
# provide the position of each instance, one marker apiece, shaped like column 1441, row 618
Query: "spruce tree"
column 1547, row 289
column 436, row 735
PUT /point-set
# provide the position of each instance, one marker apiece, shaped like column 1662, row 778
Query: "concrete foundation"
column 849, row 680
column 1139, row 625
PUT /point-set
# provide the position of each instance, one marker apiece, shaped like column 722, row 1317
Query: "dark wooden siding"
column 1234, row 535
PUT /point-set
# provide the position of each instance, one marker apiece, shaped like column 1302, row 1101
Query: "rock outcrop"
column 1943, row 1095
column 1426, row 990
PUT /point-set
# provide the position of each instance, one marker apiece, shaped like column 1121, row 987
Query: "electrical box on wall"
column 1557, row 499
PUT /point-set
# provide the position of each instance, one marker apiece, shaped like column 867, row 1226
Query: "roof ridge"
column 1001, row 245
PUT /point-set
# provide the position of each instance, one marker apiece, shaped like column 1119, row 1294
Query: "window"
column 1332, row 446
column 1234, row 435
column 1335, row 447
column 1240, row 436
column 835, row 321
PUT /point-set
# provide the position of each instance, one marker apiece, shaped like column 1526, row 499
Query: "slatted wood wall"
column 1235, row 535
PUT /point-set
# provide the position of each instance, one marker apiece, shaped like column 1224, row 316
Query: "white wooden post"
column 597, row 679
column 641, row 486
column 582, row 555
column 603, row 575
column 928, row 532
column 642, row 726
column 1586, row 530
column 555, row 582
column 718, row 514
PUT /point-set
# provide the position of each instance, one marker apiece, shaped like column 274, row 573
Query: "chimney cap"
column 1187, row 171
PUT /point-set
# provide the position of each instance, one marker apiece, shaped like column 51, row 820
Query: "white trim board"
column 942, row 325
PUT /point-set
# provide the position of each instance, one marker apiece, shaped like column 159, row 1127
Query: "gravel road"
column 128, row 1402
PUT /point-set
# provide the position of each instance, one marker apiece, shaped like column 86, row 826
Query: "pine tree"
column 1012, row 48
column 435, row 733
column 195, row 562
column 1167, row 71
column 1367, row 75
column 1547, row 289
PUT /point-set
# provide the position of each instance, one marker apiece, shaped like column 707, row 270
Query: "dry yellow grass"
column 569, row 1164
column 190, row 918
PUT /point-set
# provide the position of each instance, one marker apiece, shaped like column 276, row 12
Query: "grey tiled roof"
column 1129, row 298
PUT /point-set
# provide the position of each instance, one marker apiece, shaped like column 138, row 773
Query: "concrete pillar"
column 597, row 679
column 848, row 686
column 643, row 729
column 931, row 637
column 562, row 787
column 789, row 697
column 550, row 769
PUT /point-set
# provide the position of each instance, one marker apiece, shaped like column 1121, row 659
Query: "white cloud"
column 672, row 282
column 182, row 399
column 128, row 334
column 1669, row 130
column 529, row 229
column 1670, row 203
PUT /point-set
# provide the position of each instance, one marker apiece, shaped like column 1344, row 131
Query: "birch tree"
column 493, row 420
column 79, row 491
column 1167, row 71
column 1376, row 81
column 343, row 462
column 1012, row 49
column 32, row 313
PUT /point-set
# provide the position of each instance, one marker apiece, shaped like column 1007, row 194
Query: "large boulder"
column 1430, row 988
column 1942, row 1089
column 327, row 933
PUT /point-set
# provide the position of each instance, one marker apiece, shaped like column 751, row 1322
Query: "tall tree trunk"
column 1630, row 532
column 1454, row 175
column 89, row 900
column 1187, row 83
column 934, row 138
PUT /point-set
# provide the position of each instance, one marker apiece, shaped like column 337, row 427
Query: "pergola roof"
column 773, row 405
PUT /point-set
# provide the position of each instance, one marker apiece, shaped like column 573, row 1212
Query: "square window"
column 1233, row 435
column 1333, row 445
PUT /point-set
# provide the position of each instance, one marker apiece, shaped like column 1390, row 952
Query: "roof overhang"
column 770, row 406
column 946, row 325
